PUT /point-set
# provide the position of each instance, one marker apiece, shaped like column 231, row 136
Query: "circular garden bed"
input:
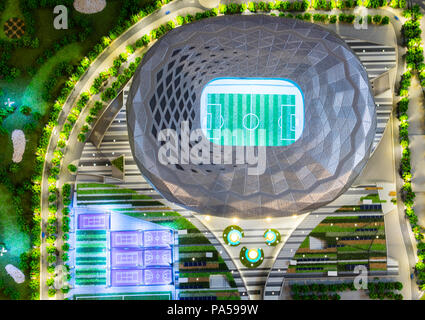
column 233, row 235
column 251, row 258
column 272, row 237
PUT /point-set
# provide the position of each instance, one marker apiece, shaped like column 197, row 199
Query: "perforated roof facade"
column 339, row 122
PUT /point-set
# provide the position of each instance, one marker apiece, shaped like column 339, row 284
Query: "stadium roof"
column 339, row 114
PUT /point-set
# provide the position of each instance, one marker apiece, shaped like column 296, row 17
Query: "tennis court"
column 252, row 112
column 126, row 239
column 93, row 221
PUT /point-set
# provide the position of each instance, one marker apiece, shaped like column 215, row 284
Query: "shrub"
column 51, row 293
column 72, row 168
column 25, row 110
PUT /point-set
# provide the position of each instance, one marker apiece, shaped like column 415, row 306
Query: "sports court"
column 252, row 112
column 116, row 253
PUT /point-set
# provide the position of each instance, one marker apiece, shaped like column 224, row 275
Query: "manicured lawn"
column 104, row 191
column 16, row 241
column 374, row 197
column 343, row 232
column 113, row 197
column 303, row 268
column 196, row 249
column 314, row 255
column 32, row 95
column 94, row 185
column 102, row 22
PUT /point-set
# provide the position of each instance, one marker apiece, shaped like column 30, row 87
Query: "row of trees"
column 300, row 6
column 315, row 291
column 109, row 93
column 411, row 34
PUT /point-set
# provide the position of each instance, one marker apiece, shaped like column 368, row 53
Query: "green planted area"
column 90, row 235
column 90, row 257
column 341, row 243
column 111, row 195
column 117, row 202
column 17, row 243
column 118, row 163
column 83, row 192
column 375, row 290
column 374, row 197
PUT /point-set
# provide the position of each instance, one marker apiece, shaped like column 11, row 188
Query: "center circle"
column 251, row 121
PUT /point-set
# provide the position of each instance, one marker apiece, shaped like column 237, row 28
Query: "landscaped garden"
column 342, row 243
column 45, row 64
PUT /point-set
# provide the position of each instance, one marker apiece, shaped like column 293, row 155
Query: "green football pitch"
column 251, row 119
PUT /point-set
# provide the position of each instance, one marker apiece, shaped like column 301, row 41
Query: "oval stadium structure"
column 291, row 92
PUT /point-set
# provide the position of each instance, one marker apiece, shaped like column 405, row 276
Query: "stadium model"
column 290, row 87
